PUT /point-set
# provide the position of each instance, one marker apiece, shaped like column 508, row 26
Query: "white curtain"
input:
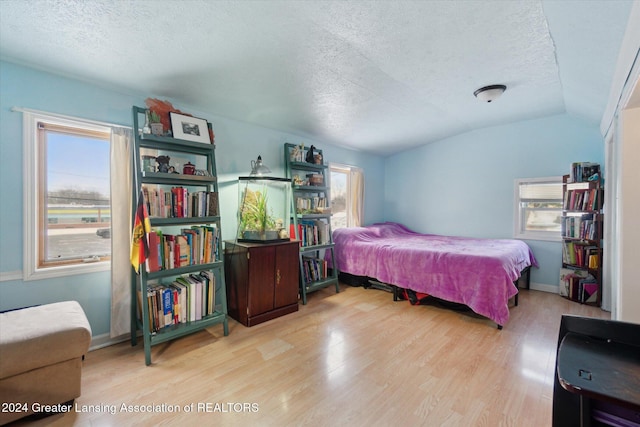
column 121, row 187
column 357, row 198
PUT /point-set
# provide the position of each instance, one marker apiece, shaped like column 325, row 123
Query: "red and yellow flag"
column 140, row 238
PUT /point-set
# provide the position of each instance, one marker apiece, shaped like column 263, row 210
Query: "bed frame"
column 368, row 282
column 476, row 272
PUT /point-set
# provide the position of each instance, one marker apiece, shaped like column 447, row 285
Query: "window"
column 67, row 196
column 347, row 196
column 538, row 211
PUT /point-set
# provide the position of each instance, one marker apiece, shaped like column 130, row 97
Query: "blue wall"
column 464, row 185
column 237, row 143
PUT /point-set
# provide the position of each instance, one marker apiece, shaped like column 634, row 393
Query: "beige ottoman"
column 41, row 351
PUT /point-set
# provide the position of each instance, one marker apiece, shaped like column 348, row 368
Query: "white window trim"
column 517, row 226
column 30, row 203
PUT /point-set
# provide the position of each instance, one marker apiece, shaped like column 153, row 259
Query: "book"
column 213, row 244
column 185, row 198
column 323, row 231
column 152, row 261
column 190, row 300
column 192, row 292
column 199, row 244
column 191, row 243
column 151, row 308
column 584, row 171
column 199, row 278
column 146, row 301
column 178, row 202
column 212, row 203
column 211, row 290
column 182, row 251
column 567, row 278
column 590, row 292
column 169, row 254
column 167, row 306
column 205, row 289
column 182, row 298
column 158, row 308
column 196, row 297
column 177, row 300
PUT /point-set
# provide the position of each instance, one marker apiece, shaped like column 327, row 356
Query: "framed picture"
column 189, row 128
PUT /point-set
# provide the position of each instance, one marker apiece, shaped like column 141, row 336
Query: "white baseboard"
column 105, row 340
column 545, row 287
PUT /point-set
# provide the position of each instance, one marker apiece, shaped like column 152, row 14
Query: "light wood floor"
column 355, row 358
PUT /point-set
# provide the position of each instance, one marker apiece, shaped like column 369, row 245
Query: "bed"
column 478, row 273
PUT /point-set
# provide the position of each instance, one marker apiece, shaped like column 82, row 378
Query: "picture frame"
column 189, row 128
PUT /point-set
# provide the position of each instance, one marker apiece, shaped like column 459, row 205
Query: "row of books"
column 311, row 205
column 575, row 253
column 312, row 232
column 578, row 285
column 580, row 227
column 582, row 199
column 187, row 299
column 314, row 269
column 196, row 245
column 584, row 171
column 178, row 202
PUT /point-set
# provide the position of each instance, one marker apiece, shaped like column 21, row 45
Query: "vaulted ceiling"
column 379, row 76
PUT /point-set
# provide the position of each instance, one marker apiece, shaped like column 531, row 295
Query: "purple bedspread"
column 476, row 272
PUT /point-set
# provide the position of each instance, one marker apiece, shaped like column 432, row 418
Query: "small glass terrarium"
column 263, row 209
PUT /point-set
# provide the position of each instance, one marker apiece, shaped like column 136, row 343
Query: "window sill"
column 67, row 270
column 544, row 237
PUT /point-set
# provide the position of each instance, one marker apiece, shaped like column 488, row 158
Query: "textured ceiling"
column 378, row 76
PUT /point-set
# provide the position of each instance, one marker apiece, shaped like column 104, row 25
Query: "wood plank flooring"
column 350, row 359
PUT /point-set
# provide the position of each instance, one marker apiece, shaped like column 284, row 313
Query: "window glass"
column 339, row 179
column 75, row 192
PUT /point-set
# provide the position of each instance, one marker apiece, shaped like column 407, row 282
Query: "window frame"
column 33, row 199
column 519, row 232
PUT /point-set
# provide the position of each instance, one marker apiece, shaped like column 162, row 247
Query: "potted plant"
column 156, row 125
column 256, row 223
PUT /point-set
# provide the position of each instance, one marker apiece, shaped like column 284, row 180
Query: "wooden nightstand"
column 262, row 280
